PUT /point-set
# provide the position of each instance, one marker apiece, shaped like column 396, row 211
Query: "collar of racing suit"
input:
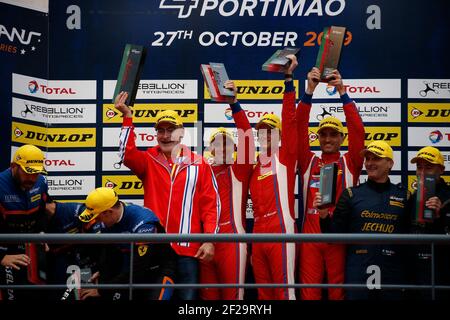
column 330, row 157
column 379, row 187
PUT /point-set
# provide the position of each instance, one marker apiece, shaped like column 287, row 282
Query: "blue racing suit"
column 420, row 255
column 372, row 208
column 62, row 256
column 20, row 212
column 152, row 263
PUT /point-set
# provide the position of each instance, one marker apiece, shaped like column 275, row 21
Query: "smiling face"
column 330, row 140
column 168, row 136
column 377, row 168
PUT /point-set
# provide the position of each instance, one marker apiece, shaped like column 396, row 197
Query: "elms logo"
column 184, row 7
column 436, row 136
column 20, row 40
column 33, row 86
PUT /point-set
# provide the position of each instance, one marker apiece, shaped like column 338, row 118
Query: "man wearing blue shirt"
column 153, row 262
column 23, row 194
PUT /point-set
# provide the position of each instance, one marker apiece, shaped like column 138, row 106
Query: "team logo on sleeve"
column 142, row 250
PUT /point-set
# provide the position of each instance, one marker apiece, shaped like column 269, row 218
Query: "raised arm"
column 128, row 152
column 288, row 121
column 302, row 114
column 355, row 125
column 245, row 141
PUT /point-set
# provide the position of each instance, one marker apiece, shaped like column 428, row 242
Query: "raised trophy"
column 330, row 51
column 215, row 75
column 133, row 60
column 278, row 62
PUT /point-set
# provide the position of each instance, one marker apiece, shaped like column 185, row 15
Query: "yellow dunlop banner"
column 53, row 137
column 429, row 112
column 258, row 89
column 412, row 182
column 124, row 185
column 392, row 135
column 147, row 112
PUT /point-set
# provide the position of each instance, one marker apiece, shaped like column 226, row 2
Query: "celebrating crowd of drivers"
column 184, row 193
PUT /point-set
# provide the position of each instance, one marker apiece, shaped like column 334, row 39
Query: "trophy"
column 330, row 51
column 130, row 72
column 426, row 188
column 278, row 61
column 215, row 75
column 37, row 269
column 328, row 177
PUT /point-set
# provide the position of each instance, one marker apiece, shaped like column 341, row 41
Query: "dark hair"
column 116, row 205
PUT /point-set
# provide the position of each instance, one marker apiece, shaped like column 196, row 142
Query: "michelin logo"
column 184, row 6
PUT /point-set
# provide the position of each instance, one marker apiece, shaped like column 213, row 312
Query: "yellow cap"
column 380, row 149
column 220, row 131
column 168, row 116
column 97, row 201
column 331, row 122
column 30, row 159
column 270, row 119
column 430, row 154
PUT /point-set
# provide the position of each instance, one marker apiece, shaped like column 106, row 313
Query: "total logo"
column 228, row 114
column 250, row 114
column 353, row 89
column 436, row 136
column 59, row 163
column 331, row 90
column 34, row 87
column 146, row 137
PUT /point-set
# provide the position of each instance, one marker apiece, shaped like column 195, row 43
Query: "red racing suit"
column 272, row 192
column 187, row 202
column 229, row 263
column 317, row 258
